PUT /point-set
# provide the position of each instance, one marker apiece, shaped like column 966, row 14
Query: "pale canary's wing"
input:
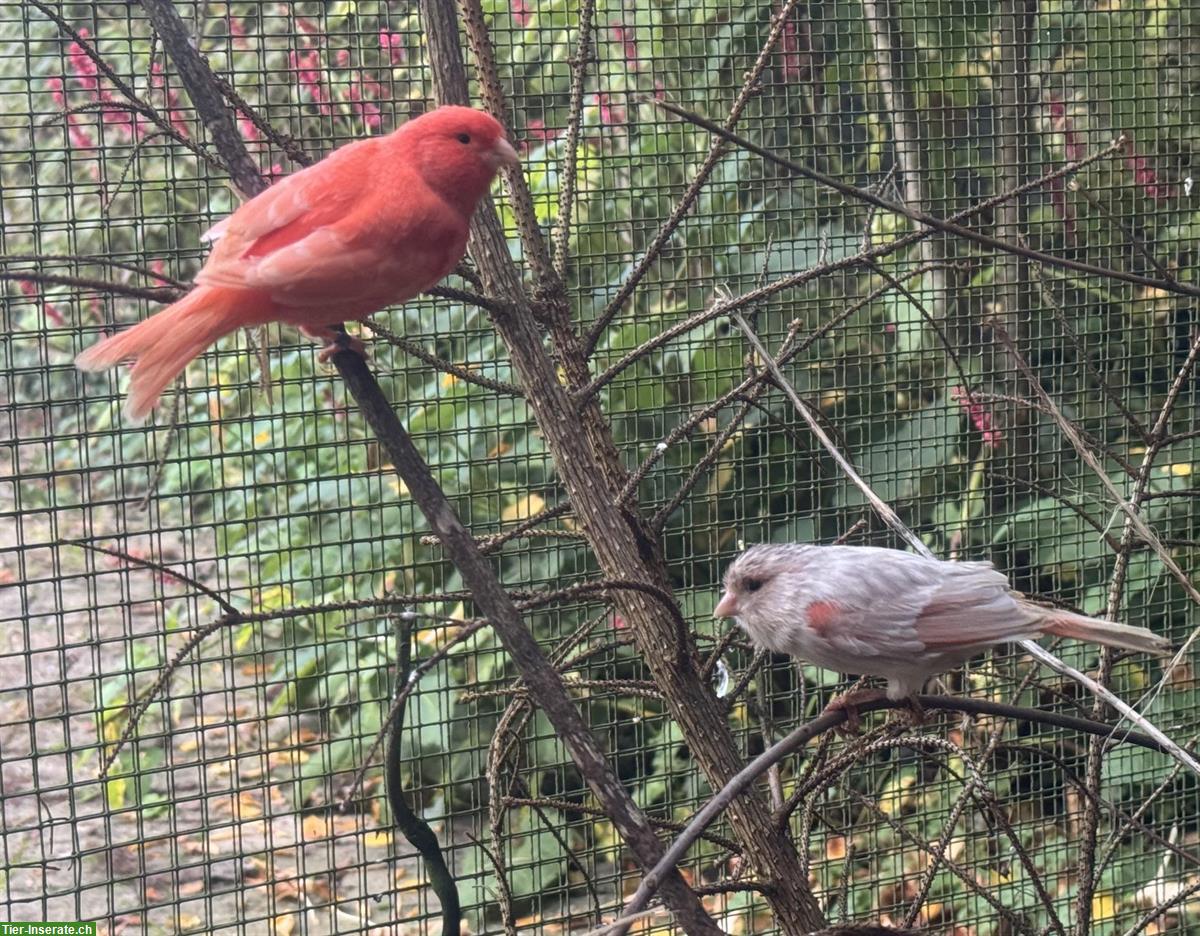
column 974, row 606
column 892, row 605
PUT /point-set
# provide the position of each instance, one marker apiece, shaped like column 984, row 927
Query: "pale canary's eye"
column 752, row 585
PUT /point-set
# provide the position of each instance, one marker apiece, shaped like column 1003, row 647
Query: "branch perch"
column 543, row 681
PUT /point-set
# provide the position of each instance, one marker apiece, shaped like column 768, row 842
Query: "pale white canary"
column 892, row 614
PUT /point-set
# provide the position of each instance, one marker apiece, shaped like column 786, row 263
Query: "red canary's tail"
column 163, row 345
column 1108, row 633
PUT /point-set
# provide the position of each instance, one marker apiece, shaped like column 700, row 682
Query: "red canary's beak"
column 727, row 606
column 503, row 153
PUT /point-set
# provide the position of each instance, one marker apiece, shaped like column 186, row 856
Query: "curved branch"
column 829, row 720
column 415, row 829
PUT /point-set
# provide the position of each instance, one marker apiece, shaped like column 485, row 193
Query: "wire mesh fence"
column 254, row 540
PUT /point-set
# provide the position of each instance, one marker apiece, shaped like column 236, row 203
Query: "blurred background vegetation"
column 280, row 499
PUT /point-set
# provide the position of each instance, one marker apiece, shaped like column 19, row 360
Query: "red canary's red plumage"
column 373, row 224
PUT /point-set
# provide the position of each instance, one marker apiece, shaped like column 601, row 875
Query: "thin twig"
column 749, row 89
column 440, row 364
column 153, row 293
column 1135, row 239
column 944, row 225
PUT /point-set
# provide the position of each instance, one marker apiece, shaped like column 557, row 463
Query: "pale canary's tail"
column 164, row 344
column 1108, row 633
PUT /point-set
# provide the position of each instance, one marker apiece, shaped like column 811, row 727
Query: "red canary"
column 373, row 224
column 883, row 612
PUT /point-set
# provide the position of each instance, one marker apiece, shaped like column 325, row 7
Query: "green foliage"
column 291, row 491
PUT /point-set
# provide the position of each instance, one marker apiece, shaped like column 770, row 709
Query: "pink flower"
column 609, row 113
column 789, row 49
column 1145, row 176
column 536, row 132
column 342, row 57
column 237, row 32
column 628, row 42
column 981, row 418
column 308, row 75
column 250, row 133
column 1061, row 121
column 83, row 69
column 365, row 107
column 521, row 13
column 86, row 77
column 51, row 312
column 306, row 25
column 393, row 44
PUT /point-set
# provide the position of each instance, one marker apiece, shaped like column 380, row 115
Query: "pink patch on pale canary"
column 822, row 616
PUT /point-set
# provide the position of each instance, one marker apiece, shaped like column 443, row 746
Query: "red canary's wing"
column 331, row 236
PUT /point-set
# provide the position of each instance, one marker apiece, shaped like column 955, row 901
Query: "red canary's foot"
column 848, row 702
column 335, row 340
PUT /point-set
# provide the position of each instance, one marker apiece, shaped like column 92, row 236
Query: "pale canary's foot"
column 848, row 702
column 913, row 714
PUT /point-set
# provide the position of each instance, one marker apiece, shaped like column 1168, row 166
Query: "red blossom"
column 342, row 57
column 250, row 133
column 789, row 50
column 535, row 132
column 628, row 42
column 85, row 75
column 1062, row 122
column 609, row 113
column 50, row 310
column 980, row 416
column 393, row 44
column 1145, row 175
column 238, row 32
column 521, row 13
column 365, row 107
column 308, row 75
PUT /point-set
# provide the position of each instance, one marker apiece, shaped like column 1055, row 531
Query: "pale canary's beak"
column 503, row 153
column 727, row 606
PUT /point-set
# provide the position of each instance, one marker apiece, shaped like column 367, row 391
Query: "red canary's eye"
column 752, row 585
column 463, row 138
